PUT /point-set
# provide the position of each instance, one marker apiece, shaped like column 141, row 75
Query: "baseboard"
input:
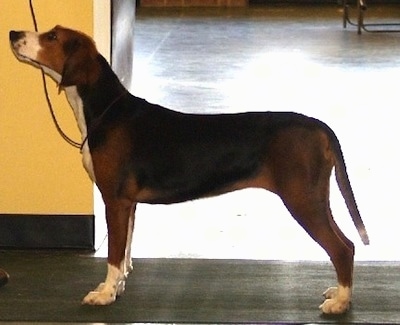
column 47, row 231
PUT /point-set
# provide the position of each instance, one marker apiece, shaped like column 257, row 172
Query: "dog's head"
column 68, row 56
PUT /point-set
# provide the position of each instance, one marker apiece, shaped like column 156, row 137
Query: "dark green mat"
column 48, row 287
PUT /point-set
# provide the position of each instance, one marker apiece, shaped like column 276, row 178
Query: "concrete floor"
column 282, row 58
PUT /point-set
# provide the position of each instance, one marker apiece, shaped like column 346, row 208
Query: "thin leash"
column 49, row 104
column 60, row 131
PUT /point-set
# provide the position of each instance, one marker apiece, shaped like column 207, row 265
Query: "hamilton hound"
column 138, row 152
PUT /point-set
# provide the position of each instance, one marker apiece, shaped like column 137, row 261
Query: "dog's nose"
column 15, row 36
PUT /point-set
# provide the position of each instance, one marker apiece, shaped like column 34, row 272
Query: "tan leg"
column 313, row 213
column 300, row 171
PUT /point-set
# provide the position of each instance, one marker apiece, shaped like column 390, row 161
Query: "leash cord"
column 63, row 135
column 49, row 104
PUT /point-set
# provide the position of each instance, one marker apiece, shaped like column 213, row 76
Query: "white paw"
column 333, row 306
column 106, row 292
column 338, row 300
column 103, row 297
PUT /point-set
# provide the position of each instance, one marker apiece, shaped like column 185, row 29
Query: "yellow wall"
column 39, row 172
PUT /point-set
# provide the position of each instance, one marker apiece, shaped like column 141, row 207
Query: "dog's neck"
column 90, row 102
column 74, row 100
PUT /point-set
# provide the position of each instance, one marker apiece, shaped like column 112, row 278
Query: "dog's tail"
column 343, row 181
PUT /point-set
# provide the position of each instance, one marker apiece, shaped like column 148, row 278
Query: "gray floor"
column 191, row 291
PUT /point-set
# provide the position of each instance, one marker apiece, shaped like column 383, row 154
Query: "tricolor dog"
column 137, row 152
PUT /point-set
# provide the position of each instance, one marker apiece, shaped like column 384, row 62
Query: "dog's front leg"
column 117, row 214
column 128, row 257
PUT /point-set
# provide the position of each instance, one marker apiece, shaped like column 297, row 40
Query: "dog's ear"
column 80, row 64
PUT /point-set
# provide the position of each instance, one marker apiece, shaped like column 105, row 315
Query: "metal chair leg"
column 361, row 26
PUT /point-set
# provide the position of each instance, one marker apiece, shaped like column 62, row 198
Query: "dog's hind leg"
column 311, row 209
column 300, row 171
column 117, row 214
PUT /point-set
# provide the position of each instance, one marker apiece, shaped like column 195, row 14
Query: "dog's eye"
column 51, row 36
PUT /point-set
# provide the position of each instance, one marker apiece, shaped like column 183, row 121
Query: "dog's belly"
column 185, row 188
column 156, row 197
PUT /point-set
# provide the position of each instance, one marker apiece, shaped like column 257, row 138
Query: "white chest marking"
column 77, row 106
